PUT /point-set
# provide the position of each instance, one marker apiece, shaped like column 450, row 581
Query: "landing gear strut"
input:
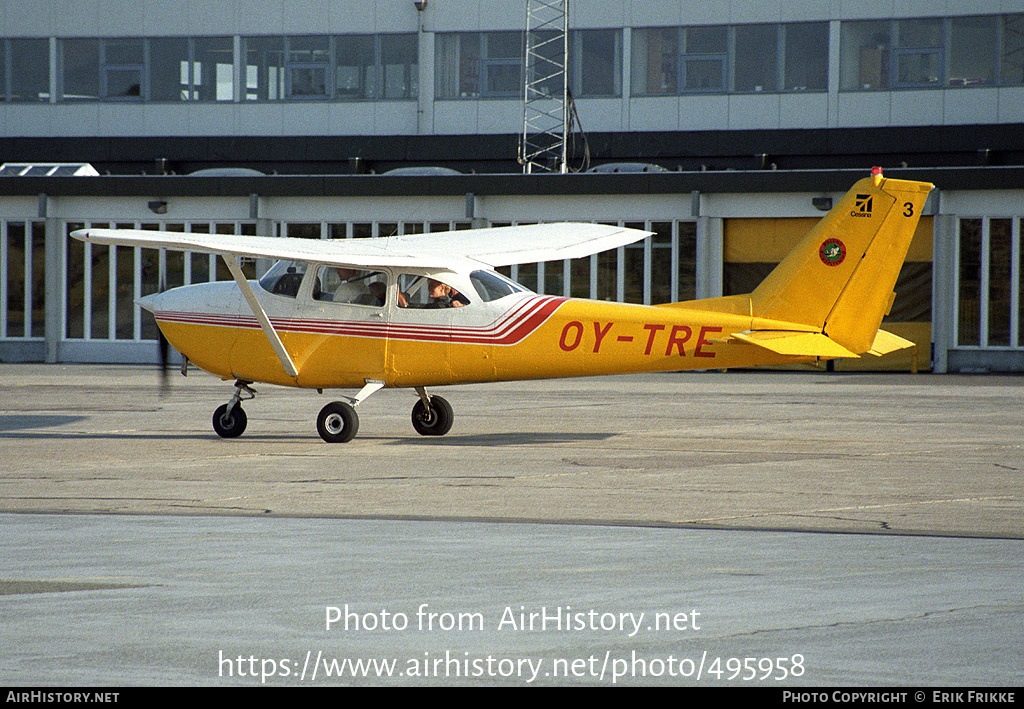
column 432, row 415
column 338, row 422
column 229, row 420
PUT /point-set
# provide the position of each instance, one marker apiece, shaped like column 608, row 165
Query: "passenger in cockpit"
column 352, row 285
column 377, row 292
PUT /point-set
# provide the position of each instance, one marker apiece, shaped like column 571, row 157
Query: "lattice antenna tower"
column 543, row 146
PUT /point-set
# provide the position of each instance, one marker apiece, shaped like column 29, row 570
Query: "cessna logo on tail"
column 861, row 206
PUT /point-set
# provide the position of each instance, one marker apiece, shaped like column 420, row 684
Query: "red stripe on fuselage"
column 512, row 327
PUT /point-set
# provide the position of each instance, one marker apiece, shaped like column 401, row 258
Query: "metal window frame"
column 984, row 284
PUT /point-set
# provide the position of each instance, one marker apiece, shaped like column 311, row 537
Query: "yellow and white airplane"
column 428, row 310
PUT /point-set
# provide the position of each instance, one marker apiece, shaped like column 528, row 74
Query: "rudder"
column 840, row 277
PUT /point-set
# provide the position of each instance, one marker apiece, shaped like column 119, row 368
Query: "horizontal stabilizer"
column 795, row 344
column 886, row 342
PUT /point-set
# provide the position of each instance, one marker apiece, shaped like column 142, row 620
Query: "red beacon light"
column 876, row 175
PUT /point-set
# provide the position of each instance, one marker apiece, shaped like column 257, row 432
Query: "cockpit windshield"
column 284, row 278
column 492, row 286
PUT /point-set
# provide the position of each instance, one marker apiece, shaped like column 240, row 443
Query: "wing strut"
column 261, row 315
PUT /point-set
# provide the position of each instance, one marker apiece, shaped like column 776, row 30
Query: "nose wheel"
column 229, row 420
column 229, row 424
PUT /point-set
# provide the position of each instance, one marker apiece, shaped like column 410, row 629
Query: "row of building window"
column 742, row 59
column 882, row 54
column 933, row 52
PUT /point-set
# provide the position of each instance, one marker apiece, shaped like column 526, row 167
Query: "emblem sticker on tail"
column 832, row 252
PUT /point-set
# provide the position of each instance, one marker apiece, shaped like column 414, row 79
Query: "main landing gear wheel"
column 433, row 420
column 229, row 425
column 337, row 422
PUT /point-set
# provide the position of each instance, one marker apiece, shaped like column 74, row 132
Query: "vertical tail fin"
column 841, row 275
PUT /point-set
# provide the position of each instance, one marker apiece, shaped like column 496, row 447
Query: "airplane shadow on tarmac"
column 35, row 426
column 21, row 422
column 513, row 438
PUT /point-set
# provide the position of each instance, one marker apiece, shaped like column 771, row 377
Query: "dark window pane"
column 80, row 62
column 30, row 70
column 806, row 61
column 969, row 323
column 755, row 59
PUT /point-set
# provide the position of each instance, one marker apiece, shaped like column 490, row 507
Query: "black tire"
column 435, row 420
column 337, row 422
column 229, row 426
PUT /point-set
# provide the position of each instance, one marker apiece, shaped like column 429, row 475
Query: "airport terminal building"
column 724, row 127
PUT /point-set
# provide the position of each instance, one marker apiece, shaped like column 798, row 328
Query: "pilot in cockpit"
column 420, row 292
column 443, row 296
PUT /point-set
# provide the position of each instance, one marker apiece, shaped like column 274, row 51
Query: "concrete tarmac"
column 870, row 524
column 917, row 454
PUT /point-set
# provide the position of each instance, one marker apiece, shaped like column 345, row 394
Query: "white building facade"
column 339, row 67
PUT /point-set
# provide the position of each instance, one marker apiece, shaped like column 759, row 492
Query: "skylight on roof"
column 47, row 169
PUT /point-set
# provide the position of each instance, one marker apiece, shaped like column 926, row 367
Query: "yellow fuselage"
column 535, row 337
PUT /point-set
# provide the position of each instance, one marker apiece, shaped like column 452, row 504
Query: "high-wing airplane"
column 427, row 310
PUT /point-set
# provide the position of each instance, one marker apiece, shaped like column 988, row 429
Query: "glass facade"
column 22, row 288
column 660, row 269
column 990, row 287
column 886, row 54
column 740, row 59
column 932, row 52
column 344, row 67
column 488, row 64
column 479, row 65
column 267, row 68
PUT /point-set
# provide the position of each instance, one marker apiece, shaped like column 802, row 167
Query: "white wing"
column 341, row 252
column 498, row 246
column 503, row 246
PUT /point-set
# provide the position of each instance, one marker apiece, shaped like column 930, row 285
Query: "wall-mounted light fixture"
column 822, row 204
column 157, row 206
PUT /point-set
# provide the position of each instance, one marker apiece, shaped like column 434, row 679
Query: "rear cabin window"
column 340, row 284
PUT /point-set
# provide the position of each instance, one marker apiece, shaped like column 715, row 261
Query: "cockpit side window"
column 284, row 278
column 416, row 291
column 492, row 286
